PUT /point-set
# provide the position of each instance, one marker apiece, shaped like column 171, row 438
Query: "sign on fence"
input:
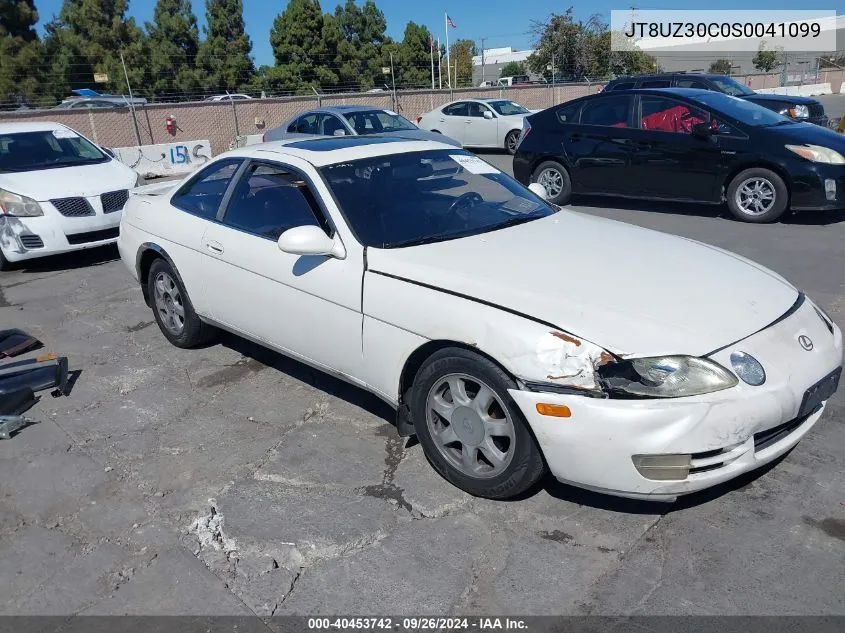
column 165, row 159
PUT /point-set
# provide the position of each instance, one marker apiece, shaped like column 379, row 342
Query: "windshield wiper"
column 428, row 239
column 521, row 219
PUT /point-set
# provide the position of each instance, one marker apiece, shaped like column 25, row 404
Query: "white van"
column 513, row 81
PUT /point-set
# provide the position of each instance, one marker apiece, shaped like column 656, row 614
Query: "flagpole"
column 439, row 65
column 448, row 68
column 431, row 53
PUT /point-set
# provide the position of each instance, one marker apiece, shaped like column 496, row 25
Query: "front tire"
column 511, row 141
column 173, row 309
column 470, row 429
column 757, row 195
column 555, row 178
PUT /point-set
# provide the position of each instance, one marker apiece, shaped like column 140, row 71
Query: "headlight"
column 818, row 154
column 665, row 377
column 797, row 112
column 19, row 206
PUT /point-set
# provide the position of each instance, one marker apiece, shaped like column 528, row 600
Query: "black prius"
column 683, row 144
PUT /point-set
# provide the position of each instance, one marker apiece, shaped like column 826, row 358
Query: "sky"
column 501, row 22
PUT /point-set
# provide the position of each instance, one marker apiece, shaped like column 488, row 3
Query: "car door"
column 480, row 131
column 452, row 120
column 599, row 147
column 194, row 207
column 668, row 160
column 307, row 306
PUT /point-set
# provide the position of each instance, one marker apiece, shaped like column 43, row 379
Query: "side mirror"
column 339, row 132
column 702, row 130
column 310, row 240
column 108, row 152
column 488, row 114
column 540, row 190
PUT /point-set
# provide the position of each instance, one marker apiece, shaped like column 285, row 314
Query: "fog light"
column 554, row 410
column 748, row 369
column 830, row 188
column 663, row 467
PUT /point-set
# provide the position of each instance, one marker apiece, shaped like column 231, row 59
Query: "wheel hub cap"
column 755, row 196
column 468, row 426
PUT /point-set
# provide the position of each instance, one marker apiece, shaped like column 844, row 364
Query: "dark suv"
column 798, row 108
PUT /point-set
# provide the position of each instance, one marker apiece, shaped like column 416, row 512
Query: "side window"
column 332, row 124
column 568, row 113
column 269, row 200
column 691, row 83
column 292, row 127
column 203, row 194
column 625, row 85
column 476, row 109
column 306, row 124
column 656, row 83
column 607, row 111
column 457, row 109
column 666, row 115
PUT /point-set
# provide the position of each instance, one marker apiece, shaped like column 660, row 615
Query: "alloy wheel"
column 755, row 196
column 168, row 302
column 552, row 180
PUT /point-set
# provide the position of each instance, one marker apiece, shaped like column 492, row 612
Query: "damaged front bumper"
column 601, row 444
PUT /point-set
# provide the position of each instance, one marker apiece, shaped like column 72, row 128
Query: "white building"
column 494, row 59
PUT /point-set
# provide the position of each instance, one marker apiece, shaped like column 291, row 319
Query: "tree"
column 224, row 56
column 173, row 44
column 20, row 53
column 511, row 69
column 462, row 53
column 360, row 51
column 413, row 69
column 88, row 37
column 720, row 67
column 765, row 60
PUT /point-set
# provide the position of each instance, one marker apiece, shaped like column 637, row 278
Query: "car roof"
column 663, row 75
column 16, row 127
column 329, row 150
column 347, row 108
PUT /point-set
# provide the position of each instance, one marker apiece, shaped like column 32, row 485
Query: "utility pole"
column 448, row 56
column 482, row 59
column 553, row 77
column 393, row 80
column 131, row 100
column 439, row 65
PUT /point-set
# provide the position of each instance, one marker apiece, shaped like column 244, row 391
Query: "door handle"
column 214, row 247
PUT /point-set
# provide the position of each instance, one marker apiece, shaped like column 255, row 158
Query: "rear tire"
column 477, row 440
column 510, row 141
column 555, row 178
column 173, row 309
column 757, row 195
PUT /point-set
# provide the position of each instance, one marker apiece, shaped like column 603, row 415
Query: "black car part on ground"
column 14, row 342
column 38, row 374
column 18, row 401
column 11, row 423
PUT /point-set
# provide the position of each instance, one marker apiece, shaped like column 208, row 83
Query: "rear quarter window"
column 568, row 113
column 623, row 85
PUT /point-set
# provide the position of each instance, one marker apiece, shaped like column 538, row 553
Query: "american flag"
column 450, row 23
column 431, row 41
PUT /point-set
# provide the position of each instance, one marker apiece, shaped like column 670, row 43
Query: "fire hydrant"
column 170, row 125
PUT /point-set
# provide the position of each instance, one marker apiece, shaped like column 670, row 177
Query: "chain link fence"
column 227, row 124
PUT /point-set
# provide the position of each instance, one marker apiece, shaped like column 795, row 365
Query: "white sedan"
column 505, row 331
column 58, row 192
column 492, row 123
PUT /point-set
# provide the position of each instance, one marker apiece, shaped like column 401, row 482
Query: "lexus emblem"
column 805, row 342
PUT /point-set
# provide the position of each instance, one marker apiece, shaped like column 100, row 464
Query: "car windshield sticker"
column 64, row 133
column 473, row 164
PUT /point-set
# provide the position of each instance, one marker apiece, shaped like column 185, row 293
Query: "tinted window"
column 508, row 108
column 731, row 87
column 656, row 83
column 608, row 111
column 269, row 200
column 625, row 85
column 667, row 115
column 444, row 194
column 477, row 109
column 568, row 113
column 49, row 149
column 306, row 124
column 204, row 193
column 457, row 109
column 691, row 83
column 331, row 124
column 742, row 110
column 375, row 121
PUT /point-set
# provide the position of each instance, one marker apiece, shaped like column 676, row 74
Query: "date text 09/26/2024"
column 416, row 624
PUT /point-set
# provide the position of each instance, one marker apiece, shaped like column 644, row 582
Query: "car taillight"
column 526, row 128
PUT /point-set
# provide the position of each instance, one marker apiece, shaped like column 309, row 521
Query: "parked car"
column 478, row 122
column 103, row 101
column 59, row 192
column 683, row 144
column 423, row 274
column 232, row 97
column 351, row 121
column 798, row 108
column 516, row 80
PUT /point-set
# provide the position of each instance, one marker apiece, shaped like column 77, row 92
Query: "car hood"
column 776, row 97
column 633, row 291
column 84, row 180
column 809, row 134
column 421, row 135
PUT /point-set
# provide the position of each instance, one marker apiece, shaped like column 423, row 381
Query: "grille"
column 31, row 241
column 93, row 236
column 114, row 200
column 816, row 110
column 764, row 439
column 73, row 207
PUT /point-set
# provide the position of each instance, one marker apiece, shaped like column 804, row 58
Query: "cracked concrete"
column 230, row 480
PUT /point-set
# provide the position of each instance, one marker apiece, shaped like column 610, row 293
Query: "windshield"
column 742, row 110
column 507, row 108
column 422, row 197
column 731, row 86
column 375, row 121
column 49, row 149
